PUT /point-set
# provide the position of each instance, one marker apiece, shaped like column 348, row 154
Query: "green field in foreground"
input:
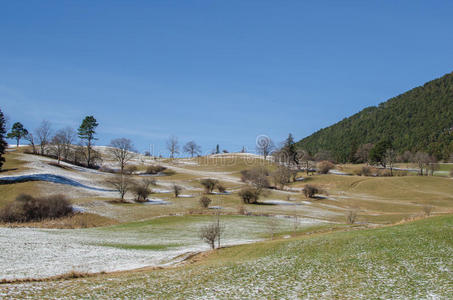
column 412, row 260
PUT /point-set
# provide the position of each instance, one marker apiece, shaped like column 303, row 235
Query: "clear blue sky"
column 214, row 71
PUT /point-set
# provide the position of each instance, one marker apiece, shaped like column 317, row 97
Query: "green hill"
column 418, row 120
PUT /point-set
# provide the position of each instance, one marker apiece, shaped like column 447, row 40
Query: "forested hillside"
column 418, row 120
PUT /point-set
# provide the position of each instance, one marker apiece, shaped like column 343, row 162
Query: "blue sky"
column 217, row 72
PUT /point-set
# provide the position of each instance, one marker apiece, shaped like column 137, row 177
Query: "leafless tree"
column 210, row 233
column 209, row 184
column 192, row 148
column 305, row 159
column 363, row 153
column 176, row 190
column 30, row 138
column 264, row 146
column 324, row 155
column 428, row 209
column 173, row 146
column 57, row 145
column 142, row 189
column 205, row 201
column 282, row 176
column 432, row 165
column 121, row 183
column 406, row 157
column 389, row 159
column 43, row 135
column 421, row 159
column 324, row 166
column 351, row 216
column 69, row 135
column 256, row 176
column 122, row 150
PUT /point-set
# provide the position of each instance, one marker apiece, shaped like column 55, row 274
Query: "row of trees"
column 60, row 144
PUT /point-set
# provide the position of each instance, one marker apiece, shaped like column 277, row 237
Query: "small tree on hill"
column 173, row 146
column 209, row 184
column 122, row 184
column 3, row 143
column 17, row 132
column 43, row 135
column 210, row 233
column 389, row 159
column 87, row 132
column 123, row 151
column 192, row 148
column 264, row 146
column 377, row 153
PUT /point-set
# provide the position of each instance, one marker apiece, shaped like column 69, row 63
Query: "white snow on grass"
column 39, row 253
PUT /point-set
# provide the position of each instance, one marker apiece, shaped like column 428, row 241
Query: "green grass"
column 410, row 261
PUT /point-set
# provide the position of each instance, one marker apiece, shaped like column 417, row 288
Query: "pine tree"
column 3, row 143
column 87, row 131
column 17, row 132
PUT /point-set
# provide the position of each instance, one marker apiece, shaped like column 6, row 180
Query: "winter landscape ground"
column 286, row 246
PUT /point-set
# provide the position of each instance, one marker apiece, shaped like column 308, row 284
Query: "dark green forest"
column 418, row 120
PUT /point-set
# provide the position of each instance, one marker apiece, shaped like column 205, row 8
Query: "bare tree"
column 351, row 216
column 30, row 138
column 389, row 159
column 43, row 135
column 57, row 145
column 192, row 148
column 305, row 159
column 121, row 183
column 264, row 145
column 209, row 184
column 210, row 233
column 256, row 176
column 122, row 150
column 421, row 159
column 142, row 189
column 432, row 165
column 282, row 176
column 69, row 135
column 363, row 153
column 323, row 155
column 176, row 190
column 173, row 146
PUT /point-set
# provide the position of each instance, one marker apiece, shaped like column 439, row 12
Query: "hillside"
column 418, row 120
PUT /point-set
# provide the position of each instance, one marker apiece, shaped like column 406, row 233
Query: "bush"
column 209, row 184
column 221, row 188
column 177, row 190
column 27, row 208
column 249, row 195
column 351, row 217
column 310, row 191
column 130, row 169
column 142, row 189
column 324, row 167
column 154, row 169
column 205, row 201
column 384, row 173
column 256, row 176
column 364, row 171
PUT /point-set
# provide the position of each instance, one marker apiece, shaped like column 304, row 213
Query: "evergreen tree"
column 17, row 132
column 217, row 149
column 290, row 150
column 87, row 132
column 3, row 143
column 377, row 153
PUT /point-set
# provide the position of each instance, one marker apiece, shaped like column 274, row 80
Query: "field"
column 412, row 260
column 286, row 246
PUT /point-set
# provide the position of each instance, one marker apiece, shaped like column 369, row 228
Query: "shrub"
column 154, row 169
column 209, row 184
column 310, row 191
column 366, row 171
column 324, row 167
column 428, row 209
column 249, row 195
column 351, row 217
column 221, row 188
column 384, row 173
column 256, row 176
column 142, row 189
column 27, row 208
column 130, row 169
column 177, row 190
column 205, row 201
